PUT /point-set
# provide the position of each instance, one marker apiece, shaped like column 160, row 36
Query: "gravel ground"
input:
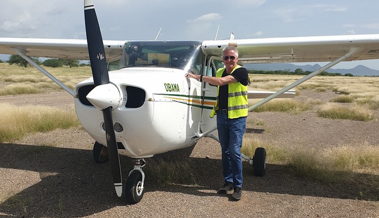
column 62, row 180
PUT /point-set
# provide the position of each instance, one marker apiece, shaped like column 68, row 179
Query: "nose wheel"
column 134, row 187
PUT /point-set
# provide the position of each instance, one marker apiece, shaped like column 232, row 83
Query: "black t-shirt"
column 241, row 76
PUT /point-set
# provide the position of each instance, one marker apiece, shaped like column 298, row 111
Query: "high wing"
column 264, row 50
column 75, row 49
column 299, row 49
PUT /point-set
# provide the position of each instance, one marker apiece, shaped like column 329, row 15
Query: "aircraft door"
column 209, row 94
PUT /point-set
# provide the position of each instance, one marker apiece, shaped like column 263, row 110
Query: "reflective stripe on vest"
column 237, row 98
column 237, row 94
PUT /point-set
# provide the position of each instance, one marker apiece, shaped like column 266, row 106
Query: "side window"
column 214, row 66
column 218, row 64
column 209, row 68
column 199, row 63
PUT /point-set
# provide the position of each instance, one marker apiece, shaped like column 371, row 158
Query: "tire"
column 133, row 191
column 100, row 153
column 259, row 162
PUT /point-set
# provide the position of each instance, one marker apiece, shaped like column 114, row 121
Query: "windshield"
column 176, row 54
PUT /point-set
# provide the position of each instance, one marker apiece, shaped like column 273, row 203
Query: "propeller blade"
column 95, row 45
column 100, row 77
column 113, row 150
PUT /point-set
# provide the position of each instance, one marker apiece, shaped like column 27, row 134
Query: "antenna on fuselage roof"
column 218, row 27
column 158, row 34
column 231, row 36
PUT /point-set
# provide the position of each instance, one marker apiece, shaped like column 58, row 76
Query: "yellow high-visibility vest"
column 237, row 98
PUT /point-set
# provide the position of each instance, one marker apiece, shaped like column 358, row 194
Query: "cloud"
column 351, row 32
column 333, row 8
column 22, row 22
column 255, row 3
column 371, row 26
column 337, row 9
column 349, row 25
column 201, row 27
column 206, row 18
column 286, row 14
column 34, row 18
column 259, row 33
column 292, row 13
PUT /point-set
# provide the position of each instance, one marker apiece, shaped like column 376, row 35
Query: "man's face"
column 230, row 59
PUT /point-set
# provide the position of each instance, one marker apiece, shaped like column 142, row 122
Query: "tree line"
column 55, row 62
column 298, row 71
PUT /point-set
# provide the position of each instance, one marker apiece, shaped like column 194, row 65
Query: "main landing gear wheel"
column 259, row 162
column 134, row 187
column 100, row 153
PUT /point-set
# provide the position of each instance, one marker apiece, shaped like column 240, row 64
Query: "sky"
column 192, row 20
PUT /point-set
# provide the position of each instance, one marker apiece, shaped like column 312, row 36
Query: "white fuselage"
column 168, row 119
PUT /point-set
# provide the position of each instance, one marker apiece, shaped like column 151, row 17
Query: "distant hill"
column 359, row 70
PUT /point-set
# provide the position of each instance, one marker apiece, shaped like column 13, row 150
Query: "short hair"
column 230, row 48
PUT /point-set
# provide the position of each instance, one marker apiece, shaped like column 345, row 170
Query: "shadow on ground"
column 82, row 187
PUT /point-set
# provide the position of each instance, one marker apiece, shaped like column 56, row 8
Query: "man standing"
column 231, row 108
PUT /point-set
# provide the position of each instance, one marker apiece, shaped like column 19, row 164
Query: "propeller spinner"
column 101, row 81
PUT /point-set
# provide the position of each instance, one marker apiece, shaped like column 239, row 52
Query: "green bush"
column 53, row 63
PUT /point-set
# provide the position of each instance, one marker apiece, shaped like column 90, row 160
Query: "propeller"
column 104, row 96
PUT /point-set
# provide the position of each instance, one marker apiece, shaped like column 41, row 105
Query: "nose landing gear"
column 134, row 187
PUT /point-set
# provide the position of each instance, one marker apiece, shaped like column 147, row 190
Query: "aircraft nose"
column 104, row 96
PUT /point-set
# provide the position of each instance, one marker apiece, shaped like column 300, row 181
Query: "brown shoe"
column 225, row 188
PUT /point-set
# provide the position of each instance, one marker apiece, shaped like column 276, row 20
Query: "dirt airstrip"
column 62, row 180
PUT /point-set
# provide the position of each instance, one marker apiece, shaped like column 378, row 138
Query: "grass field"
column 19, row 80
column 360, row 94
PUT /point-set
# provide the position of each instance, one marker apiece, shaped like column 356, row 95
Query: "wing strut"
column 309, row 76
column 331, row 64
column 30, row 61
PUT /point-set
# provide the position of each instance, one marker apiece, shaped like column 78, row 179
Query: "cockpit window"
column 175, row 54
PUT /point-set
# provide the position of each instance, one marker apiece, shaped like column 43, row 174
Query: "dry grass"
column 275, row 154
column 362, row 158
column 356, row 86
column 350, row 164
column 335, row 111
column 358, row 91
column 271, row 82
column 337, row 165
column 343, row 99
column 284, row 105
column 16, row 80
column 18, row 89
column 369, row 102
column 17, row 122
column 165, row 172
column 347, row 158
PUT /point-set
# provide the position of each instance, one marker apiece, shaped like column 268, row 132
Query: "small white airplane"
column 146, row 106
